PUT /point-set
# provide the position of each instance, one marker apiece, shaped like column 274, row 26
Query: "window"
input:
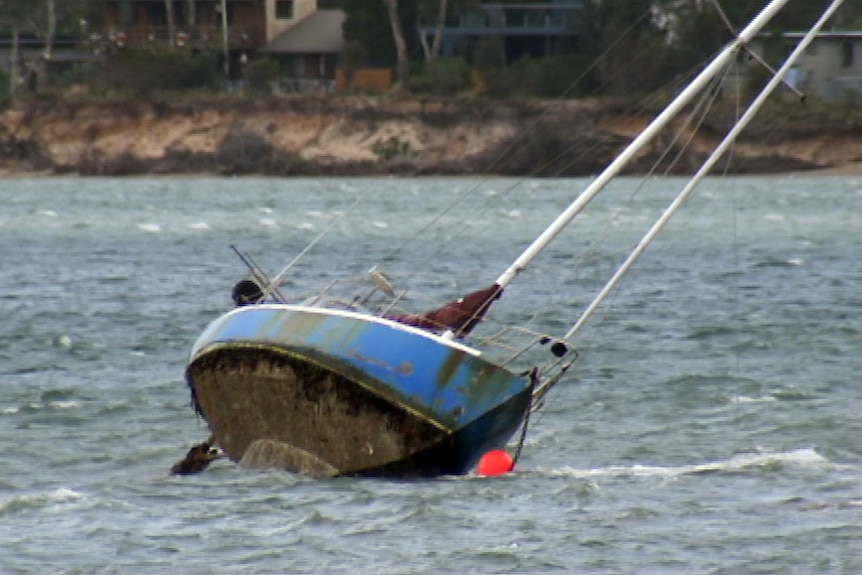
column 284, row 9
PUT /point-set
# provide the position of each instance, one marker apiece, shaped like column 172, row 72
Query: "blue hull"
column 359, row 394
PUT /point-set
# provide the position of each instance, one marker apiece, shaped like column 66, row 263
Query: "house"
column 536, row 29
column 304, row 40
column 831, row 67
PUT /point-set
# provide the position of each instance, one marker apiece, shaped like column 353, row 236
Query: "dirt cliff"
column 352, row 135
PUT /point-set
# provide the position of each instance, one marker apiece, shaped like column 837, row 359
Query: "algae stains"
column 405, row 368
column 309, row 419
column 270, row 454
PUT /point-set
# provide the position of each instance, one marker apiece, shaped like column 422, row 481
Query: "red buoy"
column 494, row 463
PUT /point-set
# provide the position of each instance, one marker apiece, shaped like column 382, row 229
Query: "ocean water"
column 712, row 422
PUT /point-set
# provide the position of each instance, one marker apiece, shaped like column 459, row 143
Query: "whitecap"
column 68, row 404
column 746, row 399
column 59, row 496
column 198, row 226
column 265, row 210
column 305, row 226
column 268, row 222
column 47, row 213
column 795, row 262
column 10, row 410
column 379, row 224
column 739, row 462
column 150, row 227
column 807, row 456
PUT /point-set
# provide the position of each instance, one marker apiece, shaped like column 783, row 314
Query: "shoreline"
column 358, row 137
column 849, row 169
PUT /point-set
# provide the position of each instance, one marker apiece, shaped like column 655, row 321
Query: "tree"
column 403, row 64
column 626, row 38
column 433, row 51
column 171, row 22
column 43, row 18
column 50, row 31
column 191, row 14
column 369, row 25
column 18, row 15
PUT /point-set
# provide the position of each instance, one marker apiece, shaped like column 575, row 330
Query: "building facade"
column 535, row 30
column 831, row 67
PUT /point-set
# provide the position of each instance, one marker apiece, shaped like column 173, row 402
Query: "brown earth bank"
column 376, row 135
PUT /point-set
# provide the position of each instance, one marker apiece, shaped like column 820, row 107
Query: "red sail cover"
column 461, row 315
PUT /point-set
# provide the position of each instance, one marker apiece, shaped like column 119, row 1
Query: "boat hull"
column 329, row 392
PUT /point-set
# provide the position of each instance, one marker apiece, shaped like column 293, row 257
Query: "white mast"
column 719, row 151
column 699, row 83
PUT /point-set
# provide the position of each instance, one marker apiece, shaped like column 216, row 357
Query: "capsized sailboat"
column 332, row 387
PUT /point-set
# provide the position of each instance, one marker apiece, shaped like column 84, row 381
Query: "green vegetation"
column 4, row 93
column 391, row 149
column 441, row 78
column 260, row 74
column 148, row 72
column 618, row 49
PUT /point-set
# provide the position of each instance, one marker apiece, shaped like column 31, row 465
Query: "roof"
column 319, row 33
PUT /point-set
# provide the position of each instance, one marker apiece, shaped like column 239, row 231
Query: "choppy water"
column 711, row 425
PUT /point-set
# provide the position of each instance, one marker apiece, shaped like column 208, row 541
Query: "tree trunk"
column 400, row 45
column 432, row 52
column 192, row 15
column 14, row 71
column 169, row 15
column 438, row 33
column 50, row 32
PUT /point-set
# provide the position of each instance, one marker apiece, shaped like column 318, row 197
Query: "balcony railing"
column 511, row 20
column 200, row 37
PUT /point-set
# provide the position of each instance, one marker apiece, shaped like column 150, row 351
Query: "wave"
column 806, row 457
column 150, row 227
column 57, row 498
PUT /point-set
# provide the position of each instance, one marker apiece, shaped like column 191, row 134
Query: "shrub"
column 442, row 78
column 147, row 72
column 520, row 80
column 4, row 89
column 243, row 152
column 260, row 73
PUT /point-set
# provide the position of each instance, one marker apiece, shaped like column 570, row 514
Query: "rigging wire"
column 272, row 285
column 736, row 369
column 461, row 226
column 754, row 55
column 501, row 157
column 716, row 155
column 655, row 167
column 689, row 128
